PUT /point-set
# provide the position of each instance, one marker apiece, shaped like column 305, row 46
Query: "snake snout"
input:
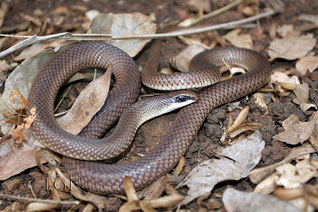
column 183, row 98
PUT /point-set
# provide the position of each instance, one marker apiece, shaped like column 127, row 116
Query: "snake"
column 82, row 152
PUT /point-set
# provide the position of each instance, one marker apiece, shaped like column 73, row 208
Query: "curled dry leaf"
column 240, row 119
column 268, row 185
column 147, row 204
column 236, row 70
column 245, row 127
column 291, row 47
column 130, row 190
column 164, row 202
column 295, row 131
column 307, row 63
column 179, row 167
column 21, row 131
column 235, row 200
column 87, row 104
column 239, row 40
column 237, row 162
column 124, row 24
column 288, row 193
column 259, row 99
column 284, row 80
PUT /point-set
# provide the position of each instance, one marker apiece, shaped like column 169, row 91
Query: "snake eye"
column 182, row 98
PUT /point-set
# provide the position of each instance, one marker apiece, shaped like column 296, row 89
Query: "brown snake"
column 108, row 178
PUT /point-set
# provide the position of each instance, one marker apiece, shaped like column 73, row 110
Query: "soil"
column 207, row 142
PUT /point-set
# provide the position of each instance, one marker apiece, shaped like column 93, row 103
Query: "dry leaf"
column 165, row 201
column 21, row 131
column 36, row 49
column 4, row 66
column 288, row 193
column 124, row 24
column 302, row 95
column 95, row 199
column 170, row 200
column 291, row 47
column 182, row 60
column 17, row 159
column 285, row 29
column 245, row 127
column 90, row 100
column 91, row 14
column 235, row 200
column 259, row 99
column 237, row 162
column 294, row 176
column 130, row 190
column 40, row 206
column 155, row 189
column 200, row 5
column 283, row 77
column 295, row 131
column 284, row 81
column 179, row 167
column 240, row 119
column 239, row 40
column 236, row 70
column 259, row 174
column 268, row 185
column 307, row 63
column 307, row 17
column 21, row 80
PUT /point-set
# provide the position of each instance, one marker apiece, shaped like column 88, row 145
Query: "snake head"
column 184, row 97
column 160, row 104
column 178, row 99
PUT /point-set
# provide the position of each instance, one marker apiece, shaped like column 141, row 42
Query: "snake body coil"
column 108, row 178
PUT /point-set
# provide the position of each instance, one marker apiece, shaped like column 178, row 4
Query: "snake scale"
column 108, row 178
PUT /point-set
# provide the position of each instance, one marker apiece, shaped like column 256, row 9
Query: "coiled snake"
column 108, row 178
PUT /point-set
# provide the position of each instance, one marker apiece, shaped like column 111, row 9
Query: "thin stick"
column 69, row 36
column 198, row 30
column 30, row 40
column 4, row 196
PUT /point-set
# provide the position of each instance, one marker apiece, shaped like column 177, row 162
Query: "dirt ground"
column 207, row 142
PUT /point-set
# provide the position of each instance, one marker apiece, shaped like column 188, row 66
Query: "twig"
column 4, row 196
column 30, row 40
column 194, row 20
column 199, row 30
column 69, row 36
